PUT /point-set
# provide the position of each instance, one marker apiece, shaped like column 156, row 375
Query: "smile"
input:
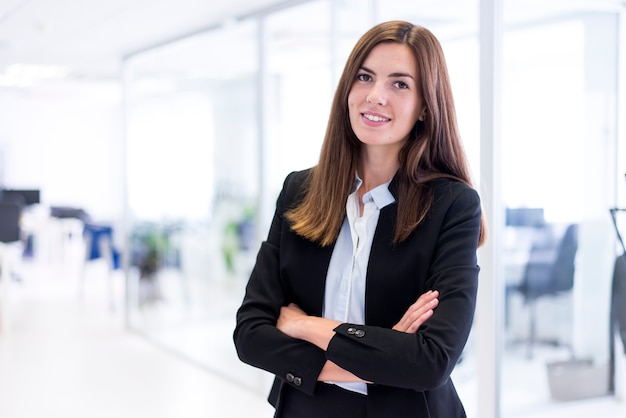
column 375, row 118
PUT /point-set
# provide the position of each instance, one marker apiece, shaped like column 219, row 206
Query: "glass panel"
column 462, row 55
column 352, row 18
column 192, row 191
column 299, row 90
column 558, row 130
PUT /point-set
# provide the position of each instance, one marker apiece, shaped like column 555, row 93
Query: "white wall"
column 65, row 138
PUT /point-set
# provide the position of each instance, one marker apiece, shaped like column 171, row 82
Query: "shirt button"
column 290, row 377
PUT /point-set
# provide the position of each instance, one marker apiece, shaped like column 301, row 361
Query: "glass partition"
column 192, row 157
column 298, row 91
column 558, row 135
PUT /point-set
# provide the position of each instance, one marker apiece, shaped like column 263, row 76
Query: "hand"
column 294, row 322
column 418, row 313
column 288, row 319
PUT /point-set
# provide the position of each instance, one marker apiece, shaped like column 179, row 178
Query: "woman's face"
column 385, row 100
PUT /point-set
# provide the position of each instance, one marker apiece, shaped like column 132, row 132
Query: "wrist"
column 299, row 327
column 318, row 331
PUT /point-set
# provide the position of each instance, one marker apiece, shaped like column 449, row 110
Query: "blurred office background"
column 143, row 145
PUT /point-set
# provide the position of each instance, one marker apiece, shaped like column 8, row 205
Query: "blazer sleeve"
column 424, row 360
column 257, row 340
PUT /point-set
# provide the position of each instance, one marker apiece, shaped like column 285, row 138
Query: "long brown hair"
column 434, row 148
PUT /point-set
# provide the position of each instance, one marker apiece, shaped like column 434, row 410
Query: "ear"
column 422, row 115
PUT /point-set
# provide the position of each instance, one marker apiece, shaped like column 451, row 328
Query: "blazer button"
column 290, row 377
column 351, row 331
column 359, row 333
column 297, row 381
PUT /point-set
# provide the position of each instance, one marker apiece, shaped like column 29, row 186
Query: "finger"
column 425, row 302
column 417, row 314
column 426, row 297
column 418, row 323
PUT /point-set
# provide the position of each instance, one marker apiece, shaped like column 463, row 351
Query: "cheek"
column 356, row 96
column 353, row 108
column 351, row 100
column 414, row 111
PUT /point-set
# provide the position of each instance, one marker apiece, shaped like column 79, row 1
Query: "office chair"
column 547, row 273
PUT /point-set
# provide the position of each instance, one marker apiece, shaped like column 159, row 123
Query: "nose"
column 376, row 95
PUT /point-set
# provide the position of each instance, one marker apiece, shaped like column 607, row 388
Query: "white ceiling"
column 91, row 36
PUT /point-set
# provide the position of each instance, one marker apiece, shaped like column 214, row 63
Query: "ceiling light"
column 24, row 75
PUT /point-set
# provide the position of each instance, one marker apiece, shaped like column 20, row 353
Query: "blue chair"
column 99, row 245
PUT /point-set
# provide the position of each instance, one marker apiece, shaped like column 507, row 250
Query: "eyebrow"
column 364, row 68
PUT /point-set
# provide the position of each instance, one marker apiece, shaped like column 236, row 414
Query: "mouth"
column 375, row 118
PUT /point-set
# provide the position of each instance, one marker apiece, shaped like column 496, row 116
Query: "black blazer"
column 411, row 371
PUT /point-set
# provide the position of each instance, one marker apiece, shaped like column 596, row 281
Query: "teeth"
column 374, row 118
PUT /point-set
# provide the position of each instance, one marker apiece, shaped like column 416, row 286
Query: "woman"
column 363, row 294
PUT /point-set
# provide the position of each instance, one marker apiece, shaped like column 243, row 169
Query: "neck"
column 378, row 169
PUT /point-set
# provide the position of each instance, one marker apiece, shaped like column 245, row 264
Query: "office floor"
column 63, row 357
column 66, row 357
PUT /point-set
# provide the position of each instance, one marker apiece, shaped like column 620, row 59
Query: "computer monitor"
column 30, row 196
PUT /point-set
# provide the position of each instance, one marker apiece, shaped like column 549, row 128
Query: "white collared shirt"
column 344, row 299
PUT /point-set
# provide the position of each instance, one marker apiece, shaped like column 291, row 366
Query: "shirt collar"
column 380, row 194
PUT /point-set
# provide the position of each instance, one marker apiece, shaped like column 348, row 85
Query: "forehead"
column 392, row 57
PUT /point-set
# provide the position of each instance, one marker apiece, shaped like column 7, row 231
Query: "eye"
column 401, row 85
column 363, row 77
